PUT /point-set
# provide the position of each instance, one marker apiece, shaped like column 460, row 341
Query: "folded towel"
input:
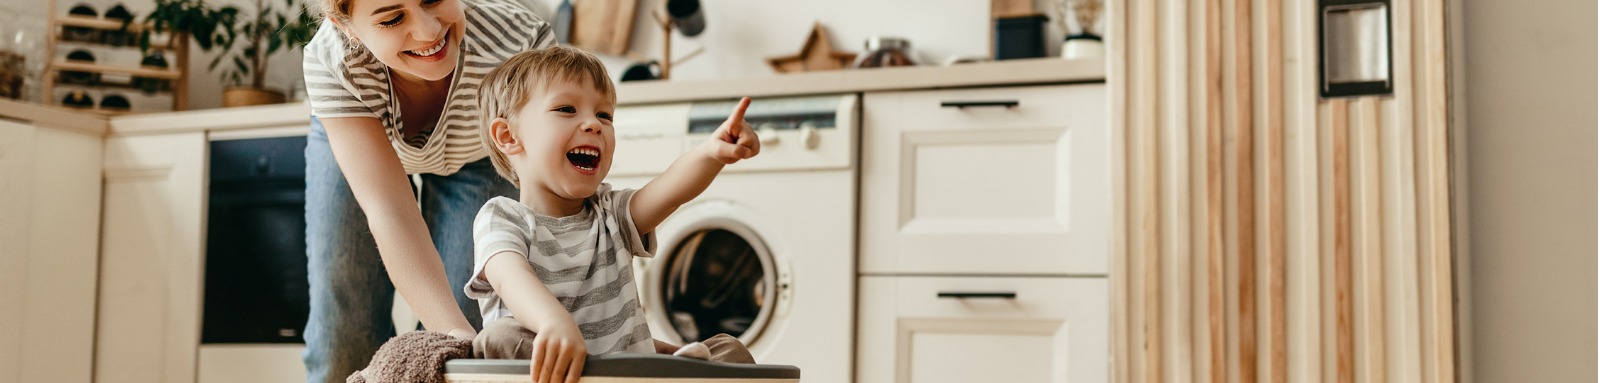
column 416, row 356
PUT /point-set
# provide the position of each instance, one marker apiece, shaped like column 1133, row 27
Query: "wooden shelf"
column 97, row 23
column 141, row 72
column 108, row 86
column 98, row 111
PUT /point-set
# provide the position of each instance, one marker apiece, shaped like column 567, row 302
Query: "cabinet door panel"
column 962, row 329
column 149, row 306
column 988, row 190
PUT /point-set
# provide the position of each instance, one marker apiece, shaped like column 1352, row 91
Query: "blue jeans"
column 351, row 295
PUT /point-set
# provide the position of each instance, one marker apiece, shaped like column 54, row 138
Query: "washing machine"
column 767, row 252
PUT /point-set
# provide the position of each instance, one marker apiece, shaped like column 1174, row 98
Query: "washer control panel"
column 797, row 133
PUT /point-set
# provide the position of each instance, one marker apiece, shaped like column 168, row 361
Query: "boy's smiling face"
column 567, row 139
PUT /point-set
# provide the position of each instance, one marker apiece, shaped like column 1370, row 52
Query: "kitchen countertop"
column 1010, row 72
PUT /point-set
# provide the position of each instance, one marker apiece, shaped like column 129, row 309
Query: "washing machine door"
column 713, row 275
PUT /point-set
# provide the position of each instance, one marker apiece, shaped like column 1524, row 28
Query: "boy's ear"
column 500, row 134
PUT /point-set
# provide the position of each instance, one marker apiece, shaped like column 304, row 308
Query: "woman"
column 393, row 89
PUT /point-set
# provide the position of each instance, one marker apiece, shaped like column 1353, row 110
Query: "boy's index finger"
column 738, row 111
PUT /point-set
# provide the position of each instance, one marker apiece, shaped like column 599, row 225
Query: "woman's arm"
column 383, row 190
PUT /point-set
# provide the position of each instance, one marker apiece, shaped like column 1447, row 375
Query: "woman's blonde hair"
column 333, row 9
column 507, row 88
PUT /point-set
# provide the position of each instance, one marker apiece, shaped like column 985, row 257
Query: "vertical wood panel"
column 1244, row 133
column 1399, row 256
column 1438, row 350
column 1344, row 325
column 1258, row 215
column 1216, row 341
column 1367, row 255
column 1274, row 223
column 1117, row 92
column 1176, row 229
column 1148, row 204
column 1199, row 138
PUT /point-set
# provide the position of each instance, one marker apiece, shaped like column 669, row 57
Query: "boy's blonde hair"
column 507, row 88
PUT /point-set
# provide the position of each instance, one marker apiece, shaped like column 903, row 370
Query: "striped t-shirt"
column 586, row 260
column 346, row 81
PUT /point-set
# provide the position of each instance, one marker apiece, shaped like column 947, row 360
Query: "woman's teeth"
column 429, row 51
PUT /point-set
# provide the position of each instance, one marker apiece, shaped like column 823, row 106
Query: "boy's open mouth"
column 584, row 157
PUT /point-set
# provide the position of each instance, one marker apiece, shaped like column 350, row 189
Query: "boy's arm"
column 558, row 346
column 692, row 172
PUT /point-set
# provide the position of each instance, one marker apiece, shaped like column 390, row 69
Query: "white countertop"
column 1010, row 72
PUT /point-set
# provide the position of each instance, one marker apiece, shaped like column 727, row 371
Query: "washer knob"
column 809, row 135
column 768, row 133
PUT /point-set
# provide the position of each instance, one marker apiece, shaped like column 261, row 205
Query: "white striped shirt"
column 585, row 260
column 343, row 82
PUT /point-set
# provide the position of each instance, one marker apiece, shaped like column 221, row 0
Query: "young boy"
column 553, row 272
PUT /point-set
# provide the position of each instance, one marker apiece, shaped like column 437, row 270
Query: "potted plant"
column 179, row 19
column 251, row 42
column 246, row 41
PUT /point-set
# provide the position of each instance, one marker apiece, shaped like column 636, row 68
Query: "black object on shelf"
column 81, row 34
column 77, row 77
column 78, row 99
column 118, row 38
column 156, row 60
column 255, row 278
column 115, row 102
column 1019, row 37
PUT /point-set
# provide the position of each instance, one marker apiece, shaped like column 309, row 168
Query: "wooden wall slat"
column 1217, row 341
column 1344, row 316
column 1276, row 225
column 1399, row 255
column 1433, row 195
column 1117, row 92
column 1176, row 260
column 1244, row 201
column 1148, row 201
column 1367, row 255
column 1199, row 101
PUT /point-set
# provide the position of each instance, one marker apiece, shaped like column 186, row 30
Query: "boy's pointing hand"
column 735, row 140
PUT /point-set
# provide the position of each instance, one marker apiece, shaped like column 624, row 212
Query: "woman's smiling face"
column 420, row 39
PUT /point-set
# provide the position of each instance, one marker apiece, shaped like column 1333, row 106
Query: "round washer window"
column 717, row 281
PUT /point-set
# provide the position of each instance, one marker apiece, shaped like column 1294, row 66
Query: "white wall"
column 739, row 37
column 1530, row 123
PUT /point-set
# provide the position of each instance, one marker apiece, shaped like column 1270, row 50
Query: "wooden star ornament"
column 816, row 55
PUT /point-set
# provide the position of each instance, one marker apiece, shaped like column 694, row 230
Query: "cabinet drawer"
column 991, row 108
column 966, row 329
column 988, row 190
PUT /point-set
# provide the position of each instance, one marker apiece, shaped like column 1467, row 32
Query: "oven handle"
column 974, row 104
column 974, row 295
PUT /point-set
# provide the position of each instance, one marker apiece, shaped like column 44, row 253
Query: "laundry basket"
column 636, row 368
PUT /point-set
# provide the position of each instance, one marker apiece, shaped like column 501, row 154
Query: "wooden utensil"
column 603, row 26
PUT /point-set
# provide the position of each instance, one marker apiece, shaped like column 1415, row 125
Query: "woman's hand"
column 558, row 353
column 734, row 140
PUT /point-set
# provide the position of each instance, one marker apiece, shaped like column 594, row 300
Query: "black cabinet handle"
column 976, row 104
column 966, row 295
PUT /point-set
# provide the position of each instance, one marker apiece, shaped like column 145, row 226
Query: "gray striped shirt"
column 346, row 81
column 586, row 260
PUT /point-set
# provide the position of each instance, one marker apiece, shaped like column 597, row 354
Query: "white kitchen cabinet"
column 150, row 279
column 992, row 181
column 49, row 239
column 985, row 235
column 983, row 329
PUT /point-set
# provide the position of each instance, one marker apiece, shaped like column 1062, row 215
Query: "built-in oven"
column 255, row 262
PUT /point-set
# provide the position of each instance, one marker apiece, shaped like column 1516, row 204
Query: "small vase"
column 1082, row 46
